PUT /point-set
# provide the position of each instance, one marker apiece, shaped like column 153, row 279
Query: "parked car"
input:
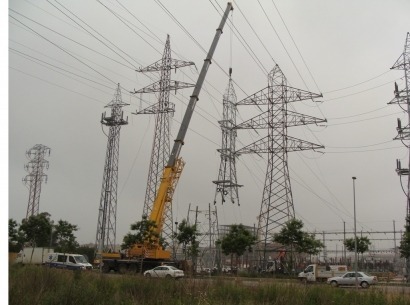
column 349, row 279
column 164, row 271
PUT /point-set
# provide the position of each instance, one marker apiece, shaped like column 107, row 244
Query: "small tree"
column 186, row 236
column 37, row 229
column 64, row 238
column 145, row 233
column 293, row 236
column 16, row 237
column 87, row 251
column 405, row 247
column 363, row 244
column 237, row 241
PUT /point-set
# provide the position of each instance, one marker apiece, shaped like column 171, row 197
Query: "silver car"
column 164, row 271
column 349, row 279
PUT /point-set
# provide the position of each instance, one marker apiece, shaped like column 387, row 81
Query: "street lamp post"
column 355, row 238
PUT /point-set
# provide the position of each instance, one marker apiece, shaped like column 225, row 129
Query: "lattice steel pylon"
column 402, row 97
column 277, row 201
column 206, row 222
column 35, row 168
column 163, row 111
column 107, row 216
column 226, row 185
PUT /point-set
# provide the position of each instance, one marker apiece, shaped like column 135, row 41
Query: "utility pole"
column 355, row 236
column 226, row 185
column 107, row 215
column 35, row 168
column 402, row 98
column 344, row 241
column 277, row 201
column 163, row 111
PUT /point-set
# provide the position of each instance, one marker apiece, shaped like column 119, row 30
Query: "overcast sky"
column 66, row 57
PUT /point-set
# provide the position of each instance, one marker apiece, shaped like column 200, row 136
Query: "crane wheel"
column 133, row 268
column 122, row 268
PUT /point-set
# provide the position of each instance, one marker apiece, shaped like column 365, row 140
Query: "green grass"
column 39, row 285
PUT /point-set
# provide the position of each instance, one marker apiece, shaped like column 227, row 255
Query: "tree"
column 87, row 251
column 405, row 246
column 405, row 241
column 63, row 237
column 363, row 244
column 187, row 237
column 299, row 241
column 237, row 241
column 145, row 233
column 16, row 237
column 37, row 229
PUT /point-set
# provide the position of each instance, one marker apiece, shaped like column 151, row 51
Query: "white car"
column 349, row 279
column 164, row 271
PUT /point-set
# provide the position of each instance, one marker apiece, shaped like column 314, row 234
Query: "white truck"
column 317, row 273
column 35, row 256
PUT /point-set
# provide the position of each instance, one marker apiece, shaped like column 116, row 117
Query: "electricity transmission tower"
column 163, row 110
column 206, row 222
column 226, row 185
column 107, row 216
column 35, row 168
column 402, row 97
column 277, row 201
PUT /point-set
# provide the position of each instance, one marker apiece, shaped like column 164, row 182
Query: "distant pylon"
column 277, row 201
column 402, row 97
column 163, row 111
column 107, row 216
column 35, row 168
column 206, row 222
column 226, row 185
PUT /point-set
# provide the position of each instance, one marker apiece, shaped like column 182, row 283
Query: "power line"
column 105, row 44
column 370, row 145
column 361, row 151
column 62, row 49
column 247, row 47
column 72, row 40
column 355, row 115
column 116, row 15
column 290, row 57
column 359, row 92
column 297, row 48
column 37, row 60
column 54, row 84
column 351, row 86
column 359, row 121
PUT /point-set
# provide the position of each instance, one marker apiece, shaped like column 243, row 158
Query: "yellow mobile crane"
column 154, row 252
column 174, row 167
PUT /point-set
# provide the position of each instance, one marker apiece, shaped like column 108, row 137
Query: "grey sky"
column 345, row 44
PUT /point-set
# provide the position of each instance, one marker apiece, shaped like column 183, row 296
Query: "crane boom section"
column 165, row 193
column 179, row 141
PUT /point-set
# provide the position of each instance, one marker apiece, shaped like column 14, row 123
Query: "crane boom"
column 179, row 141
column 173, row 169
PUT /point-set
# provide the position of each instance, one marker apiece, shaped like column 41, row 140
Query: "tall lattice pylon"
column 163, row 111
column 226, row 185
column 277, row 201
column 402, row 98
column 35, row 168
column 107, row 216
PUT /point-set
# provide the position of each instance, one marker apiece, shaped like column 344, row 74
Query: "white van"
column 68, row 261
